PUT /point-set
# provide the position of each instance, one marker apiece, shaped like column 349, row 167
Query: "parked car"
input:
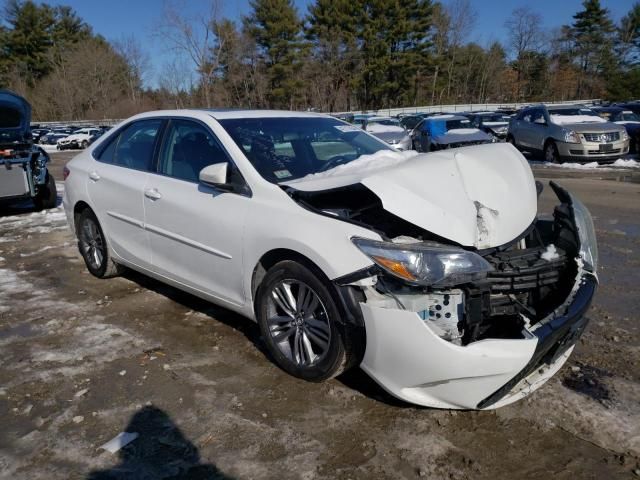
column 432, row 272
column 52, row 136
column 568, row 132
column 446, row 131
column 411, row 121
column 628, row 119
column 79, row 139
column 388, row 130
column 36, row 133
column 493, row 123
column 23, row 165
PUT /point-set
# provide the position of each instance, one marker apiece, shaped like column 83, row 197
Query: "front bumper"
column 590, row 151
column 412, row 363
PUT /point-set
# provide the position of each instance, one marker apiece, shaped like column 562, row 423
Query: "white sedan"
column 431, row 272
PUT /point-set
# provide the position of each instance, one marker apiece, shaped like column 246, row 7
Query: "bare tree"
column 526, row 35
column 462, row 19
column 194, row 38
column 138, row 62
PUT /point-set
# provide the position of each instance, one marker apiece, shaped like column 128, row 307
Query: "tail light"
column 65, row 172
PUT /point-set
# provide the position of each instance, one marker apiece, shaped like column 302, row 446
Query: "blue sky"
column 115, row 19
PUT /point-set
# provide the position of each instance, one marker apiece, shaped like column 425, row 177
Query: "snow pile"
column 579, row 166
column 621, row 162
column 375, row 161
column 495, row 124
column 550, row 253
column 380, row 128
column 626, row 122
column 569, row 119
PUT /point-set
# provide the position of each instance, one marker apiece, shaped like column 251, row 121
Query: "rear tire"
column 300, row 322
column 47, row 196
column 93, row 247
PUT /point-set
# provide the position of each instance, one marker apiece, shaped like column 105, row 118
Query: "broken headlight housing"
column 586, row 234
column 425, row 263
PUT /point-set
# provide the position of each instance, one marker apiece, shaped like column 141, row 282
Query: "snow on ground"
column 620, row 163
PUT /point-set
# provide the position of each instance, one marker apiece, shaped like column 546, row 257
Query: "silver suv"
column 568, row 132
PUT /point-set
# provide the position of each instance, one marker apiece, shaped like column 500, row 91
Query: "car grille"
column 517, row 271
column 602, row 137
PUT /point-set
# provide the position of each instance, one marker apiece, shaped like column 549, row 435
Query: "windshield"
column 454, row 124
column 573, row 111
column 283, row 149
column 626, row 117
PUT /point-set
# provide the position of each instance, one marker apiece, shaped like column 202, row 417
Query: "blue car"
column 446, row 131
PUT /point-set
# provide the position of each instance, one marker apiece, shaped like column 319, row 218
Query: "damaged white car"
column 432, row 272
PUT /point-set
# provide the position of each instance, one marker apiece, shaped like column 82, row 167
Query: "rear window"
column 9, row 118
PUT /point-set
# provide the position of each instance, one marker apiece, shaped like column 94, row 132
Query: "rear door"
column 115, row 184
column 195, row 230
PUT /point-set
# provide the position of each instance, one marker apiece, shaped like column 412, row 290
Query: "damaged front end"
column 460, row 327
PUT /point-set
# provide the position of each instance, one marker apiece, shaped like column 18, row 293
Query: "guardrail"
column 79, row 123
column 466, row 107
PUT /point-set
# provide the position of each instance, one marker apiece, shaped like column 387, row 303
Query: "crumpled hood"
column 481, row 196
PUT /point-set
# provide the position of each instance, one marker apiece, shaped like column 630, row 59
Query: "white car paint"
column 80, row 136
column 210, row 243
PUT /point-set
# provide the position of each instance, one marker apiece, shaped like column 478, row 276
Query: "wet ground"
column 83, row 359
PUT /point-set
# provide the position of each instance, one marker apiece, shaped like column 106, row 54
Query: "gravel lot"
column 83, row 359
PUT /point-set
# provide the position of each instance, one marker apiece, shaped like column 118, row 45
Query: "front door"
column 195, row 230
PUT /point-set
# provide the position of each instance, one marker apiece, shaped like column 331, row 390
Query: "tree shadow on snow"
column 161, row 451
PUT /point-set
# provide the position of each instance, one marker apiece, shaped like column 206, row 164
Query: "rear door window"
column 133, row 147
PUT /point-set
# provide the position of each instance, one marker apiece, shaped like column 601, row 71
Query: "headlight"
column 425, row 263
column 586, row 234
column 625, row 135
column 571, row 137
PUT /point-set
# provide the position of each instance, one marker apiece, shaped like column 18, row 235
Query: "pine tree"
column 276, row 28
column 591, row 36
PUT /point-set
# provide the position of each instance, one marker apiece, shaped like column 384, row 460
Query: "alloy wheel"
column 298, row 322
column 92, row 244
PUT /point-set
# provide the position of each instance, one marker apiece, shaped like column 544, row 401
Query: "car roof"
column 223, row 114
column 566, row 107
column 608, row 109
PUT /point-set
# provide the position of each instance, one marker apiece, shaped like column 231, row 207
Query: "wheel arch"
column 79, row 207
column 347, row 298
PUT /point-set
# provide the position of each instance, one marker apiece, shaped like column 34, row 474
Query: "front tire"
column 300, row 322
column 93, row 247
column 551, row 152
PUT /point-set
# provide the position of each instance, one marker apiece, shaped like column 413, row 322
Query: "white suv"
column 431, row 272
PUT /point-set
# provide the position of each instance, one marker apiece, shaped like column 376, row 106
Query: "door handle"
column 152, row 194
column 94, row 176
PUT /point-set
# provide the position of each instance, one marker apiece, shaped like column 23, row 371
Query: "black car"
column 628, row 118
column 23, row 165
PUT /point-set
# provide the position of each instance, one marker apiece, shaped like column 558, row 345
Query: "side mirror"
column 215, row 175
